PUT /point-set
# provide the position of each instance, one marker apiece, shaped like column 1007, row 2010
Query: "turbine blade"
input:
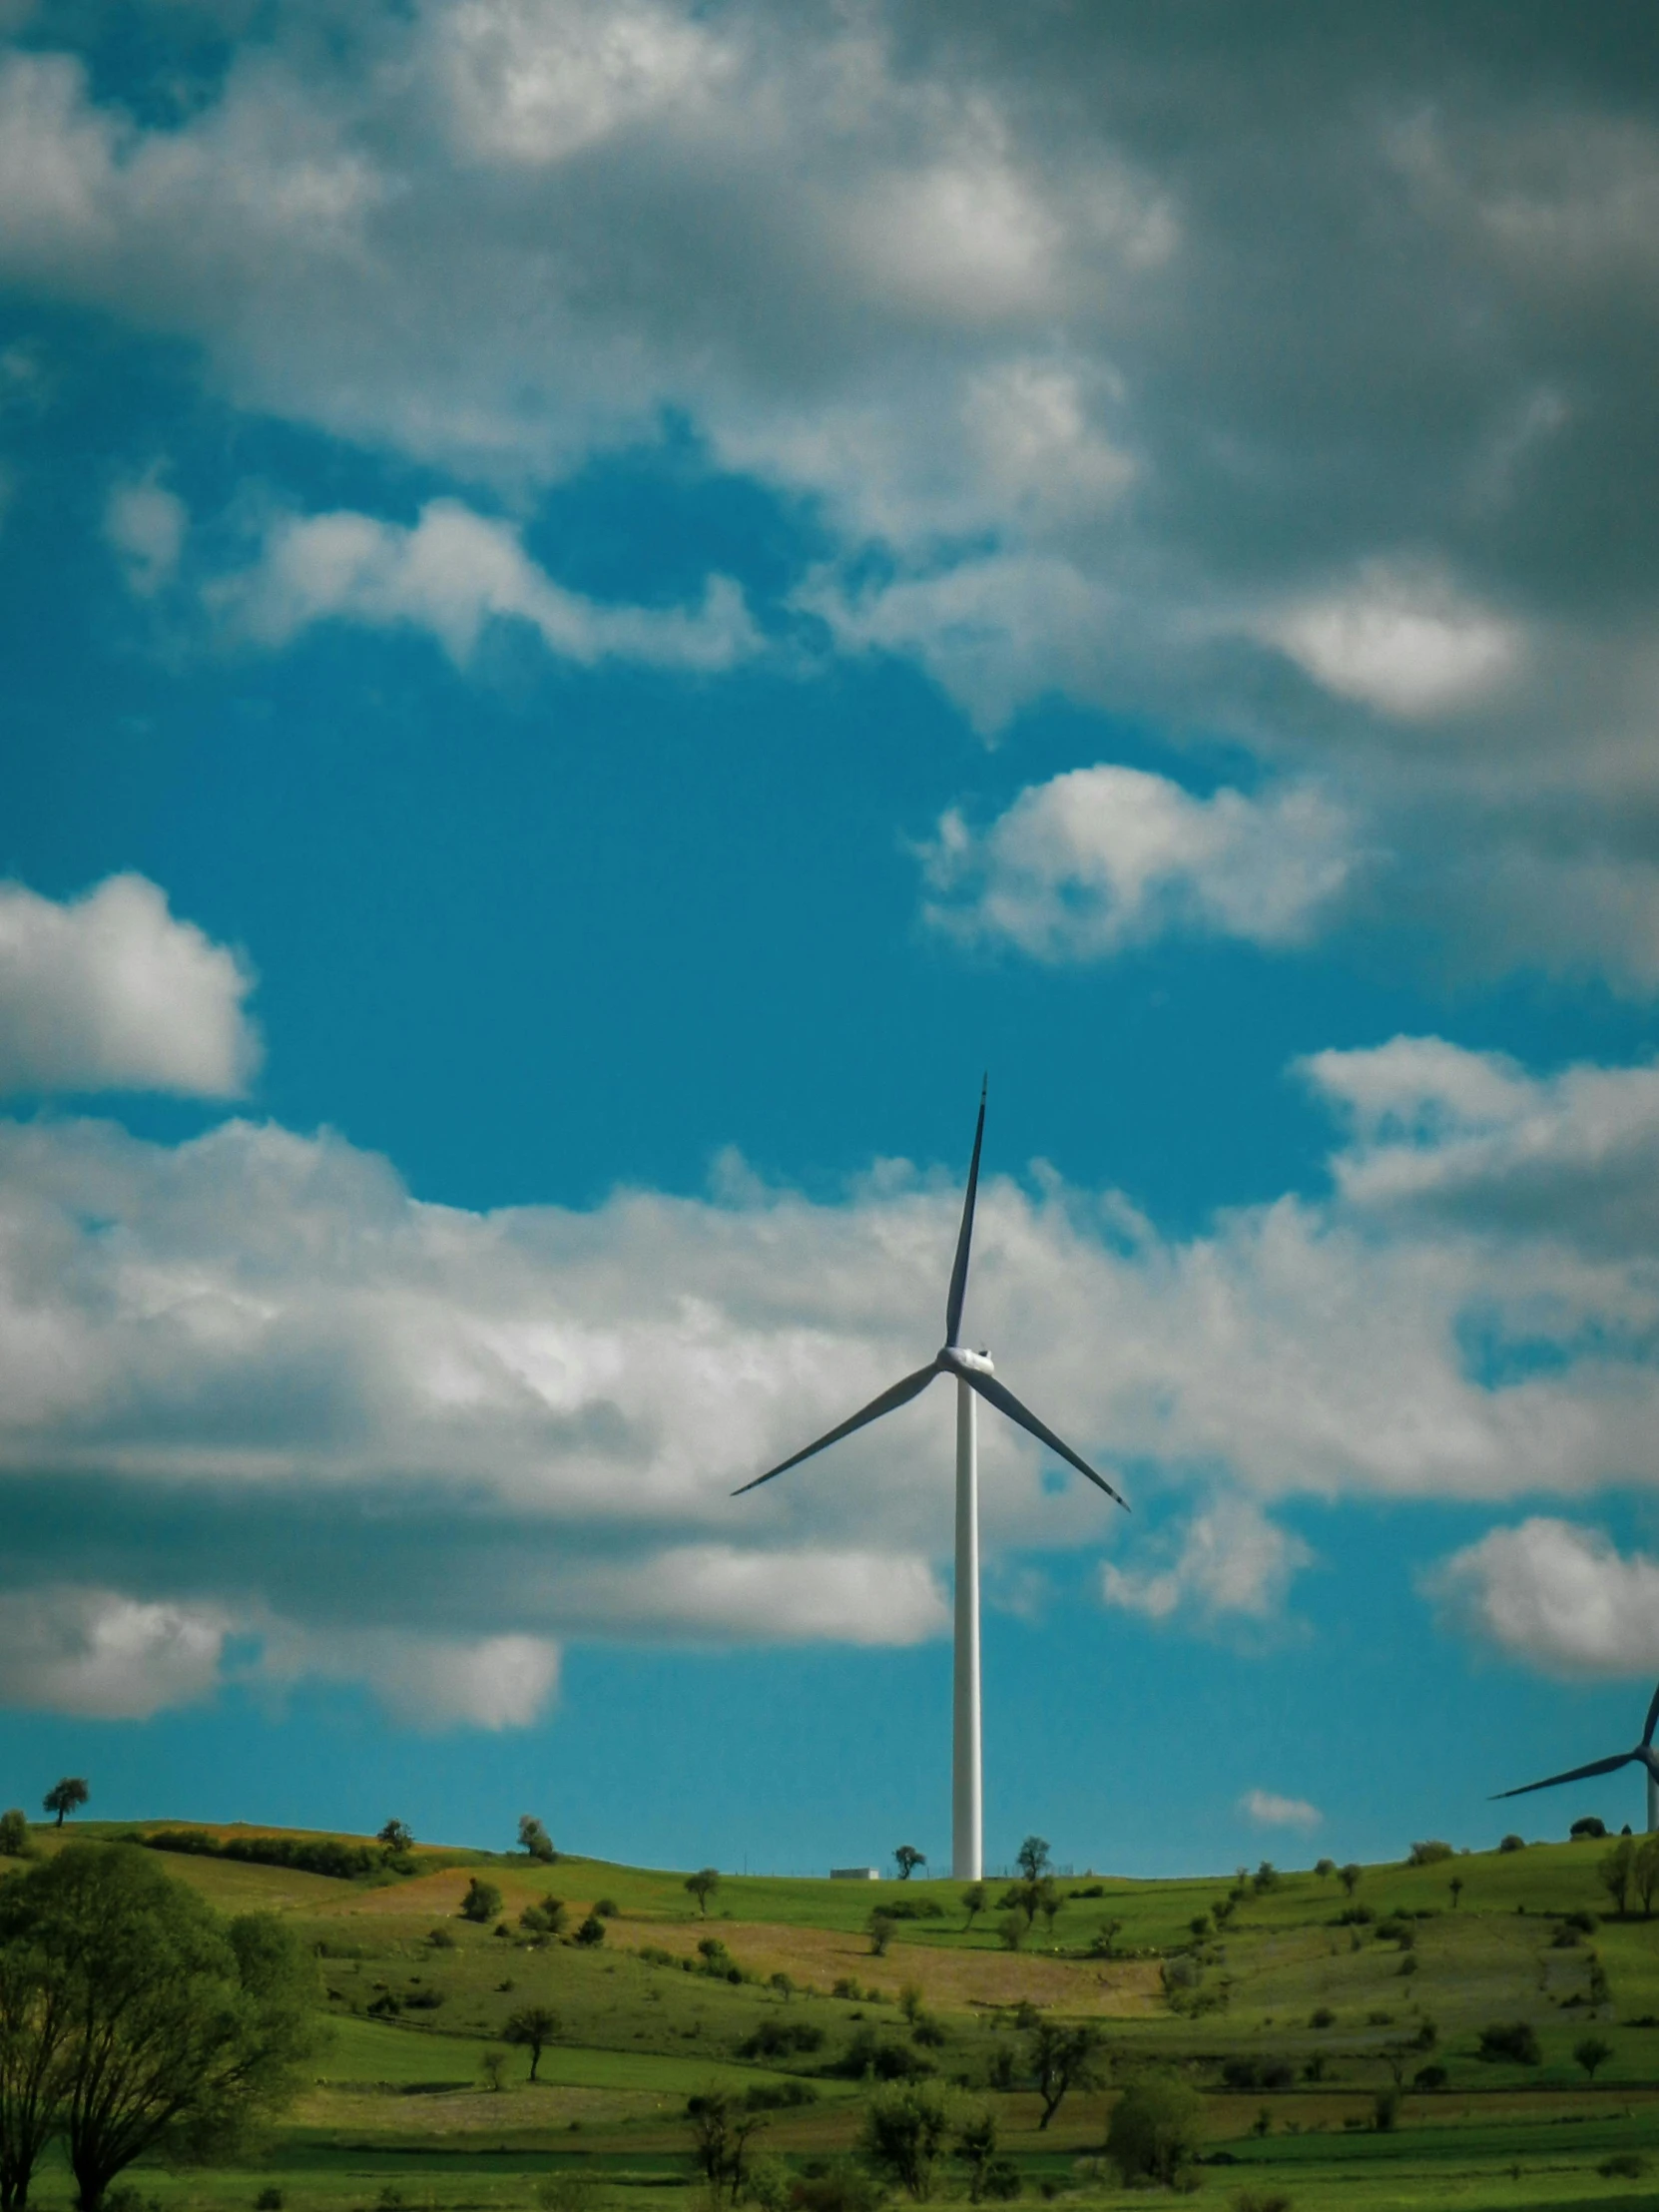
column 1652, row 1722
column 964, row 1235
column 999, row 1395
column 900, row 1395
column 1576, row 1774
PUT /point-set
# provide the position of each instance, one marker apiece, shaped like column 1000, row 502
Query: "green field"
column 1292, row 2019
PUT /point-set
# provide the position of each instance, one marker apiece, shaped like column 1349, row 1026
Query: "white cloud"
column 111, row 992
column 1408, row 644
column 1105, row 857
column 103, row 1656
column 144, row 525
column 1232, row 1561
column 431, row 1683
column 450, row 574
column 1557, row 1596
column 1269, row 1811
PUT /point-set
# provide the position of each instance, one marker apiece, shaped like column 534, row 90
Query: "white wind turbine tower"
column 974, row 1375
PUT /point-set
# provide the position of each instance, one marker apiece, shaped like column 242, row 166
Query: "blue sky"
column 605, row 603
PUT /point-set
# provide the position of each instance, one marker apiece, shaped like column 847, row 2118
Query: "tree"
column 1049, row 1901
column 1615, row 1871
column 591, row 1932
column 1156, row 2130
column 720, row 2128
column 174, row 2028
column 398, row 1836
column 1062, row 2058
column 908, row 1859
column 67, row 1796
column 34, row 2026
column 1011, row 1930
column 534, row 1839
column 1348, row 1877
column 1455, row 1886
column 904, row 2132
column 975, row 2146
column 1032, row 1858
column 1591, row 2053
column 703, row 1885
column 482, row 1901
column 546, row 1918
column 1325, row 1868
column 15, row 1839
column 493, row 2067
column 1645, row 1872
column 881, row 1927
column 533, row 2027
column 974, row 1899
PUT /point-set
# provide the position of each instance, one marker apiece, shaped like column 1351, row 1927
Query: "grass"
column 401, row 2104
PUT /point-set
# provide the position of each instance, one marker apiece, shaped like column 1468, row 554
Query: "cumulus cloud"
column 344, row 1418
column 1557, row 1596
column 1105, row 857
column 145, row 526
column 103, row 1656
column 1269, row 1811
column 110, row 991
column 450, row 574
column 1231, row 1560
column 1285, row 386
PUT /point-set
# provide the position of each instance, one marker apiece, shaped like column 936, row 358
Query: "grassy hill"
column 1292, row 2015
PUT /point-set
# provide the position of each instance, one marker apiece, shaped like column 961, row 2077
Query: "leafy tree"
column 15, row 1840
column 1326, row 1869
column 1516, row 2040
column 591, row 1932
column 908, row 1859
column 534, row 1839
column 975, row 2146
column 783, row 1983
column 493, row 2067
column 1590, row 1829
column 881, row 1927
column 162, row 2030
column 67, row 1796
column 905, row 2133
column 1615, row 1871
column 482, row 1901
column 974, row 1899
column 1032, row 1858
column 34, row 2064
column 1591, row 2053
column 1156, row 2130
column 1512, row 1843
column 1011, row 1930
column 1348, row 1877
column 1050, row 1899
column 533, row 2027
column 546, row 1918
column 1062, row 2058
column 398, row 1836
column 703, row 1885
column 1644, row 1873
column 720, row 2128
column 1455, row 1886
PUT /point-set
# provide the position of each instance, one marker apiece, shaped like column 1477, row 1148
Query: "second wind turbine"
column 974, row 1375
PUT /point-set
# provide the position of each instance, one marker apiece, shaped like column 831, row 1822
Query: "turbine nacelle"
column 1643, row 1756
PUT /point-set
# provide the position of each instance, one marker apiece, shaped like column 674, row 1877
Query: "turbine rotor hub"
column 958, row 1357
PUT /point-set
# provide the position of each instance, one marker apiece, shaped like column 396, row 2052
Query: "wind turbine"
column 1644, row 1755
column 974, row 1375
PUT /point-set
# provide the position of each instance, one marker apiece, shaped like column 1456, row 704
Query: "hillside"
column 1292, row 2019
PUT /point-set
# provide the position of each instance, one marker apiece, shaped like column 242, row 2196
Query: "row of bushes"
column 302, row 1853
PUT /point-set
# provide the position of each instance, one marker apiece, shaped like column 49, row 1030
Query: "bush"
column 843, row 2187
column 1324, row 2018
column 1000, row 2181
column 1355, row 1916
column 1429, row 1853
column 14, row 1836
column 591, row 1932
column 608, row 1909
column 913, row 1909
column 1429, row 2077
column 304, row 1854
column 1624, row 2165
column 1260, row 2200
column 1588, row 1830
column 779, row 2038
column 482, row 1901
column 905, row 2133
column 1513, row 2039
column 778, row 2096
column 1386, row 2110
column 268, row 2200
column 1155, row 2129
column 884, row 2057
column 1512, row 1843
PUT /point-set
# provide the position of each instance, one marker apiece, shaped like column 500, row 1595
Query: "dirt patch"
column 950, row 1981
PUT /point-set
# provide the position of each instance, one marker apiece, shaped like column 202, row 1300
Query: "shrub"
column 268, row 2200
column 905, row 2133
column 779, row 2039
column 440, row 1939
column 880, row 1926
column 1324, row 2018
column 305, row 1854
column 884, row 2057
column 1429, row 2077
column 1260, row 2200
column 591, row 1932
column 1512, row 1843
column 1429, row 1853
column 778, row 2096
column 1588, row 1830
column 1386, row 2110
column 1155, row 2130
column 843, row 2187
column 14, row 1836
column 1624, row 2165
column 1355, row 1916
column 1000, row 2181
column 913, row 1909
column 608, row 1909
column 482, row 1901
column 1513, row 2039
column 1011, row 1930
